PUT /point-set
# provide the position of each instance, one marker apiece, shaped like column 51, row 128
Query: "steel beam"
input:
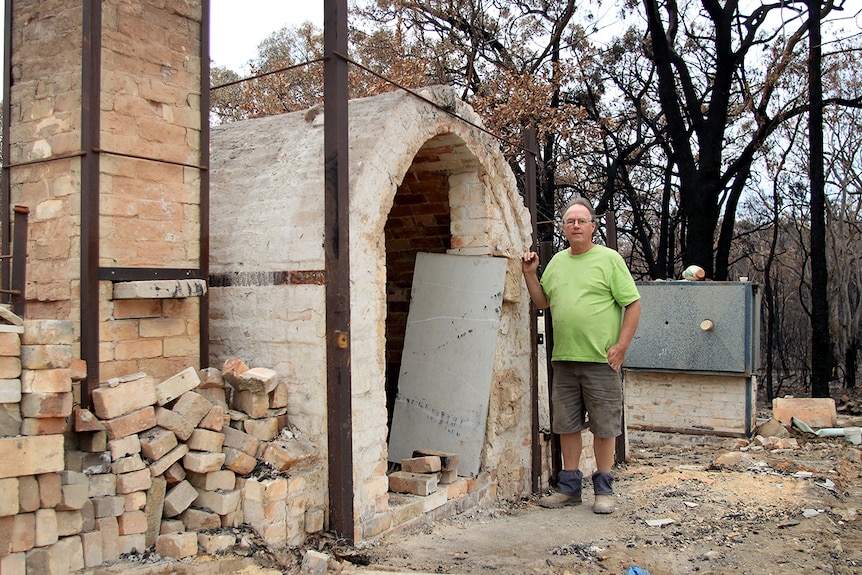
column 337, row 266
column 91, row 72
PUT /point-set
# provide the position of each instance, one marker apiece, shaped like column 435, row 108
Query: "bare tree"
column 719, row 110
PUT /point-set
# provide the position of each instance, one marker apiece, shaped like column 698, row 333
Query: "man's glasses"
column 580, row 221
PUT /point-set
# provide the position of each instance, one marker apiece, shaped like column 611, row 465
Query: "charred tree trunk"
column 851, row 361
column 821, row 348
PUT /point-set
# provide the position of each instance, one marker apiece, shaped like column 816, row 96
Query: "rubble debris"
column 659, row 522
column 817, row 411
column 852, row 434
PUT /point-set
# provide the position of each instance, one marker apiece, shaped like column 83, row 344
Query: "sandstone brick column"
column 108, row 150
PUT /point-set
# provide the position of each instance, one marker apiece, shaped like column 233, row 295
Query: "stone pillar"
column 147, row 77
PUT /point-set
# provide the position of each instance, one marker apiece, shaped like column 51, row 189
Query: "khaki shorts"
column 582, row 388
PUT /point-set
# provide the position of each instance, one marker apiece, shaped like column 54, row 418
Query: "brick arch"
column 420, row 221
column 445, row 183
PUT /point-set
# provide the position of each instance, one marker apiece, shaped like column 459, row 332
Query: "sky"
column 238, row 26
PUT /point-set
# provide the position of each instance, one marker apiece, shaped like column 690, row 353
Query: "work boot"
column 604, row 490
column 568, row 490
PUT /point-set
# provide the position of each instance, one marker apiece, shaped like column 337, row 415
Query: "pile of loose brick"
column 427, row 481
column 423, row 473
column 168, row 463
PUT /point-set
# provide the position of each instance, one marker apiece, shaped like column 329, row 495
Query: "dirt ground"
column 677, row 512
column 717, row 509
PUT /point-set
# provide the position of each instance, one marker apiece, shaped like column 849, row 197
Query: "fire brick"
column 134, row 422
column 156, row 442
column 223, row 479
column 28, row 494
column 178, row 498
column 162, row 465
column 8, row 497
column 193, row 407
column 49, row 490
column 132, row 522
column 199, row 519
column 46, row 527
column 69, row 523
column 111, row 402
column 124, row 447
column 220, row 502
column 264, row 429
column 46, row 381
column 253, row 404
column 416, row 483
column 178, row 545
column 206, row 440
column 134, row 481
column 44, row 425
column 174, row 422
column 128, row 464
column 426, row 464
column 214, row 420
column 237, row 461
column 239, row 440
column 203, row 461
column 173, row 387
column 45, row 405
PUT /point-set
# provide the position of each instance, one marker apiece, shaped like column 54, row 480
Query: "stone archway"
column 411, row 164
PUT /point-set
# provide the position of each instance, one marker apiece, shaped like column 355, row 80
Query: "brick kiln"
column 421, row 182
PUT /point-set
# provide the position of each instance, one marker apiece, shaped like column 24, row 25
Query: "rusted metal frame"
column 5, row 183
column 611, row 238
column 145, row 274
column 91, row 50
column 268, row 278
column 337, row 266
column 19, row 259
column 530, row 195
column 77, row 154
column 148, row 158
column 430, row 102
column 687, row 431
column 204, row 196
column 546, row 252
column 265, row 74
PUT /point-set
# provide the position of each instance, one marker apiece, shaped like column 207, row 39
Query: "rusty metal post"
column 546, row 252
column 204, row 257
column 337, row 265
column 19, row 259
column 91, row 71
column 530, row 194
column 5, row 183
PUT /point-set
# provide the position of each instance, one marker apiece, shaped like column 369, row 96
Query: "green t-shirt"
column 587, row 293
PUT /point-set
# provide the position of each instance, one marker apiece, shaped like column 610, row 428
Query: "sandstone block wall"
column 149, row 167
column 664, row 404
column 45, row 124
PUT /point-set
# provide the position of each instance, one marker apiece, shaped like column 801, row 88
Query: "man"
column 586, row 286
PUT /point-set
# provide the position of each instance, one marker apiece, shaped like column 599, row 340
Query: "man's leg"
column 604, row 447
column 571, row 445
column 568, row 411
column 603, row 480
column 570, row 479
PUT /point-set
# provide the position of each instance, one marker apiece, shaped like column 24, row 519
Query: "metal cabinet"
column 697, row 327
